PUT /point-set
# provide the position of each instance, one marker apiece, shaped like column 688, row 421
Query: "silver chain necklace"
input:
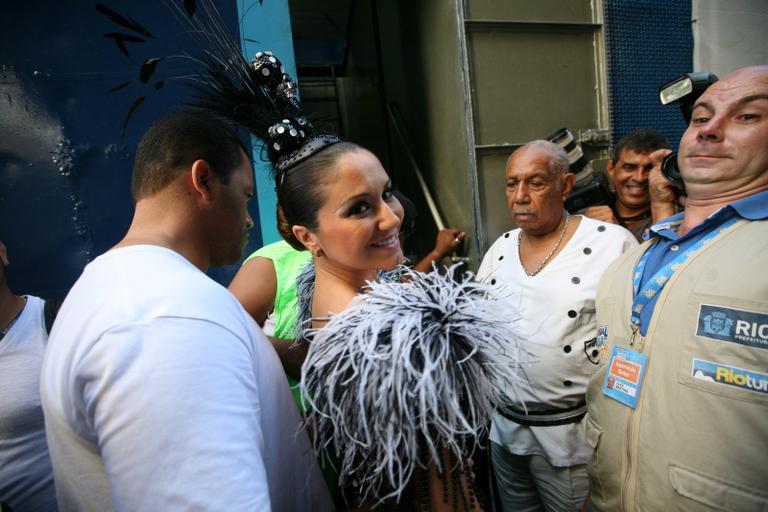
column 549, row 256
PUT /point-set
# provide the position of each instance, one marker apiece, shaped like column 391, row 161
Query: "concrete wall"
column 729, row 35
column 474, row 79
column 423, row 59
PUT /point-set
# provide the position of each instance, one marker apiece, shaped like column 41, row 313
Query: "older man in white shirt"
column 550, row 267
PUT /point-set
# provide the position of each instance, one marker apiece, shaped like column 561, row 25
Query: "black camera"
column 683, row 91
column 591, row 187
column 671, row 170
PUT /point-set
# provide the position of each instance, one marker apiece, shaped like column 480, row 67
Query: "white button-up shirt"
column 556, row 309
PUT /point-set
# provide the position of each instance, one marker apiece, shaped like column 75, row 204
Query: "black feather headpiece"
column 258, row 95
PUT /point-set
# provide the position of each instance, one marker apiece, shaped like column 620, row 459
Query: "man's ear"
column 569, row 181
column 610, row 168
column 307, row 238
column 3, row 254
column 202, row 179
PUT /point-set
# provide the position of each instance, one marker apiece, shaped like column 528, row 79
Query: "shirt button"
column 493, row 281
column 572, row 314
column 567, row 383
column 674, row 247
column 587, row 250
column 506, row 235
column 501, row 258
column 601, row 228
column 567, row 349
column 575, row 280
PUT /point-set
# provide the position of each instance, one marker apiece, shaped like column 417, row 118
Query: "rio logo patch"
column 730, row 376
column 748, row 328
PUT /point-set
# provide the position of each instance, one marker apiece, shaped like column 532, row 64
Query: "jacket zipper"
column 629, row 489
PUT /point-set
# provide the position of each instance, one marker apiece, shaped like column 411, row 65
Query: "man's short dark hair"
column 644, row 140
column 174, row 142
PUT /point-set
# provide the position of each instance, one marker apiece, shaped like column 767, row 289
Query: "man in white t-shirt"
column 159, row 391
column 549, row 267
column 26, row 478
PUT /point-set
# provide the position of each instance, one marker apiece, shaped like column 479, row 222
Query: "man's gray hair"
column 558, row 161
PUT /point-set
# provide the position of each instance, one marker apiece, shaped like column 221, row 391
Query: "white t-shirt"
column 26, row 478
column 160, row 393
column 556, row 308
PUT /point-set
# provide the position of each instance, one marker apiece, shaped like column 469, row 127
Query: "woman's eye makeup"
column 359, row 208
column 363, row 206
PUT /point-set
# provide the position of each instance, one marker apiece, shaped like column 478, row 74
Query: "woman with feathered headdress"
column 402, row 374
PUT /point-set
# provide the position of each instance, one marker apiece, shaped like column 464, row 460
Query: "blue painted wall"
column 648, row 43
column 65, row 156
column 266, row 26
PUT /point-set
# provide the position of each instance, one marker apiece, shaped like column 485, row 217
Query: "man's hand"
column 662, row 191
column 601, row 213
column 448, row 239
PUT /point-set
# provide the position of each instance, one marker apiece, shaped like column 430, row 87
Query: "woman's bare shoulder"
column 331, row 300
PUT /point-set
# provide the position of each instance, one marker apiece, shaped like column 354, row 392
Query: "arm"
column 663, row 192
column 255, row 286
column 292, row 356
column 176, row 413
column 448, row 239
column 602, row 213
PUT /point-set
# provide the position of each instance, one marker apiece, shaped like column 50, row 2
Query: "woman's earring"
column 319, row 253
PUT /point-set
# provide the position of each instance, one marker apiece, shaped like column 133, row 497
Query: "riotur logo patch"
column 718, row 373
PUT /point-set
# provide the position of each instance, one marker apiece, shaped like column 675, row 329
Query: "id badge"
column 624, row 376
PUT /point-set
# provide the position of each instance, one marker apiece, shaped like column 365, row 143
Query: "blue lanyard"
column 656, row 283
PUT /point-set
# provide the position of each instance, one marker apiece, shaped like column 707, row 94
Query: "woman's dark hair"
column 282, row 225
column 408, row 226
column 300, row 195
column 174, row 142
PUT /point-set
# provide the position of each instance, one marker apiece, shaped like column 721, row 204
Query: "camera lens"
column 670, row 170
column 565, row 139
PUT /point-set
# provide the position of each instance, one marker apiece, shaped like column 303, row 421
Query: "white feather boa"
column 409, row 370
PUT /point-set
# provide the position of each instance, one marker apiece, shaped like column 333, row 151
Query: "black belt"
column 550, row 418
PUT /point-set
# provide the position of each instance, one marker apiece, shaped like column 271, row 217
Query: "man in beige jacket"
column 678, row 414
